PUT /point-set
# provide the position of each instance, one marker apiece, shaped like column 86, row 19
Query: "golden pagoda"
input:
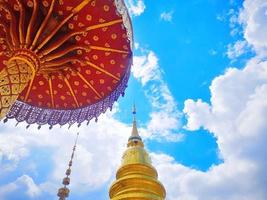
column 136, row 177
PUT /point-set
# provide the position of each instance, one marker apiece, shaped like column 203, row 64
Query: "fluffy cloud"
column 165, row 117
column 237, row 117
column 21, row 185
column 136, row 7
column 237, row 49
column 146, row 68
column 254, row 19
column 234, row 181
column 91, row 154
column 12, row 151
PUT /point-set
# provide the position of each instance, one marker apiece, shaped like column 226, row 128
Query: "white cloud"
column 233, row 181
column 234, row 22
column 90, row 157
column 24, row 183
column 136, row 7
column 145, row 68
column 166, row 16
column 237, row 49
column 13, row 151
column 32, row 189
column 165, row 117
column 237, row 118
column 254, row 19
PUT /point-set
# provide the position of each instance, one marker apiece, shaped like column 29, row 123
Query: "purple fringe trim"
column 41, row 116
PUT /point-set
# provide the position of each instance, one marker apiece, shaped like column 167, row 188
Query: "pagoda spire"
column 64, row 191
column 136, row 178
column 135, row 135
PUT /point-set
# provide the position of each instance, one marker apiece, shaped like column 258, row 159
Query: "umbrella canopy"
column 62, row 61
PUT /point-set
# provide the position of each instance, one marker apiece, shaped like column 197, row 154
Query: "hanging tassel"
column 28, row 126
column 39, row 127
column 63, row 192
column 5, row 120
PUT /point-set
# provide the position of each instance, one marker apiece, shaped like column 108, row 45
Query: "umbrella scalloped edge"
column 33, row 115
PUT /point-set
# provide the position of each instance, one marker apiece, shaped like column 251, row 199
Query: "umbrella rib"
column 29, row 89
column 71, row 91
column 74, row 11
column 103, row 25
column 72, row 34
column 43, row 24
column 63, row 52
column 61, row 62
column 87, row 83
column 48, row 70
column 31, row 23
column 108, row 49
column 51, row 91
column 21, row 23
column 102, row 70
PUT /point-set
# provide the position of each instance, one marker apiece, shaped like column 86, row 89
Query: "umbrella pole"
column 13, row 80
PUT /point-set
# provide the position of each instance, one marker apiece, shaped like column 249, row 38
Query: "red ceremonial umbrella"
column 62, row 61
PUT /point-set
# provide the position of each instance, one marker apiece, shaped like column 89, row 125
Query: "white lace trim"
column 122, row 10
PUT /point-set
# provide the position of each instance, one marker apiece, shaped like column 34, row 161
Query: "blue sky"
column 199, row 81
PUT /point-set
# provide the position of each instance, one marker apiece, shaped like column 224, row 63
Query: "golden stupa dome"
column 136, row 178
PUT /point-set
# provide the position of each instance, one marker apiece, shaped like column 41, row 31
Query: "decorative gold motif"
column 13, row 79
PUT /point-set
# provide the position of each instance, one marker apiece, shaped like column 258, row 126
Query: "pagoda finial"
column 134, row 130
column 64, row 191
column 135, row 134
column 134, row 113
